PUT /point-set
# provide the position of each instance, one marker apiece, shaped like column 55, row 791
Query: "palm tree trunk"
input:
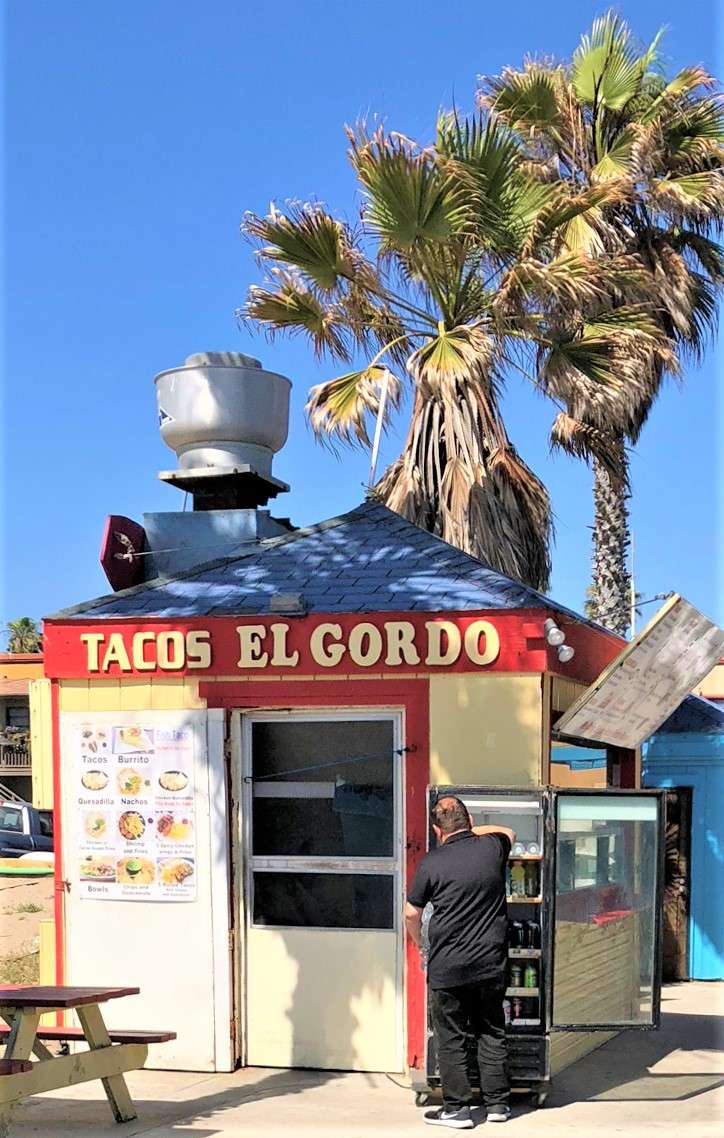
column 460, row 477
column 611, row 581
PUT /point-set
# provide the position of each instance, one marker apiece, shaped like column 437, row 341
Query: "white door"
column 322, row 850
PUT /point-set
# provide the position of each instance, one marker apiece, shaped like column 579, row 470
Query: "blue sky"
column 136, row 135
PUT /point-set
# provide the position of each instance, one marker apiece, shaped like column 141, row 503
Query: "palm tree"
column 451, row 281
column 25, row 635
column 610, row 118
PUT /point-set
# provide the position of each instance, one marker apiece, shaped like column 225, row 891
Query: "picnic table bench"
column 109, row 1054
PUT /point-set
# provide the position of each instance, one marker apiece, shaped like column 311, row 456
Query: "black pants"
column 457, row 1014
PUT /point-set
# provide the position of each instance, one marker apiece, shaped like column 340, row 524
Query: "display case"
column 584, row 886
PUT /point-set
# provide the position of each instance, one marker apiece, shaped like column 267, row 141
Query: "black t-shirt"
column 464, row 878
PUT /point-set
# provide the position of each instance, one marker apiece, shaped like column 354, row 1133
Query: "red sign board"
column 354, row 644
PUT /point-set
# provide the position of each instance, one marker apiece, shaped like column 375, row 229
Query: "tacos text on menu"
column 135, row 871
column 94, row 780
column 172, row 828
column 96, row 826
column 175, row 870
column 131, row 825
column 173, row 780
column 129, row 782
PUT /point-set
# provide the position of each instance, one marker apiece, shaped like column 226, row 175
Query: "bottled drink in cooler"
column 530, row 976
column 517, row 934
column 531, row 879
column 517, row 880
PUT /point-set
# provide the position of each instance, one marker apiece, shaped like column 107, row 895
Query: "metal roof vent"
column 225, row 416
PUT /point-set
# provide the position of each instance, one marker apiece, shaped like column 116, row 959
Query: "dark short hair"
column 450, row 814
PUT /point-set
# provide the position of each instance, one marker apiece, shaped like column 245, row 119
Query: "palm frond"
column 571, row 278
column 409, row 198
column 618, row 159
column 693, row 131
column 586, row 442
column 526, row 99
column 704, row 251
column 696, row 195
column 309, row 239
column 686, row 82
column 610, row 372
column 374, row 324
column 450, row 358
column 293, row 308
column 606, row 69
column 339, row 408
column 484, row 145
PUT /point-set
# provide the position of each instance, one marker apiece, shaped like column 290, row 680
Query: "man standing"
column 464, row 878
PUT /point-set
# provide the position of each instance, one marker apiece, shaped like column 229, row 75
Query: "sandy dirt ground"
column 24, row 902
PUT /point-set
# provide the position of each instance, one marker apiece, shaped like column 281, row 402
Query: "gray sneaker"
column 456, row 1119
column 499, row 1113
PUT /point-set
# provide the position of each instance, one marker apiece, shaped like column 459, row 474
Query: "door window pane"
column 323, row 789
column 324, row 900
column 606, row 876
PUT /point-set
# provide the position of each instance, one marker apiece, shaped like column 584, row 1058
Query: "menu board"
column 136, row 818
column 640, row 689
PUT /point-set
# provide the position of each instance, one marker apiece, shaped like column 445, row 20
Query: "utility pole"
column 378, row 429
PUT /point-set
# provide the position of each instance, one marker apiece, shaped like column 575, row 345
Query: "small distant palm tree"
column 453, row 280
column 611, row 118
column 25, row 635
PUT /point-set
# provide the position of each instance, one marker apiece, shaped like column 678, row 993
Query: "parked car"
column 23, row 829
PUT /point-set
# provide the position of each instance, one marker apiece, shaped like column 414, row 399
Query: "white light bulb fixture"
column 566, row 653
column 553, row 634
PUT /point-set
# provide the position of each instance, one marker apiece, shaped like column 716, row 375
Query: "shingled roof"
column 368, row 560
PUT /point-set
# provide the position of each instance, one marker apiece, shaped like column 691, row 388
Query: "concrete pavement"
column 669, row 1082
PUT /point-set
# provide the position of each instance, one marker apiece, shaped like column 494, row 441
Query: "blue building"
column 688, row 752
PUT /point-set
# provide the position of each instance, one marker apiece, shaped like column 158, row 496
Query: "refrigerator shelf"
column 525, row 857
column 523, row 992
column 523, row 952
column 524, row 900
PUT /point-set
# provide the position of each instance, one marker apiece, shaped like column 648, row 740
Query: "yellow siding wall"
column 41, row 743
column 130, row 695
column 486, row 729
column 564, row 692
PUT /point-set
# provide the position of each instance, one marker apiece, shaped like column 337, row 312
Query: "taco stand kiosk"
column 239, row 744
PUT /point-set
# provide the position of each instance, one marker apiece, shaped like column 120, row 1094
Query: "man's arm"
column 510, row 834
column 413, row 922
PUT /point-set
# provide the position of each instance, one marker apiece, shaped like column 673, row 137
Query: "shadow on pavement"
column 622, row 1070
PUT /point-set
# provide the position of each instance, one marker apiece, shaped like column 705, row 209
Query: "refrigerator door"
column 606, row 885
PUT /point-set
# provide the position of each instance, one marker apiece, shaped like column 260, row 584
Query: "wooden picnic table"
column 21, row 1008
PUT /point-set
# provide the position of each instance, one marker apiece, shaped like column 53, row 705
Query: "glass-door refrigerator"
column 584, row 886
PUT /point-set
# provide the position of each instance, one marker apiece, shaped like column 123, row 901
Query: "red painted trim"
column 59, row 893
column 522, row 646
column 412, row 696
